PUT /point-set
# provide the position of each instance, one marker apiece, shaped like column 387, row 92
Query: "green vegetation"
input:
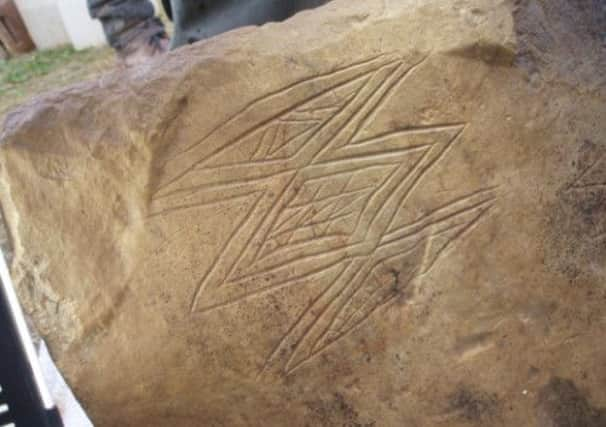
column 19, row 70
column 30, row 74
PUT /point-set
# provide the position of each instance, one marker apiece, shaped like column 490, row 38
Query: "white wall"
column 44, row 22
column 83, row 31
column 53, row 23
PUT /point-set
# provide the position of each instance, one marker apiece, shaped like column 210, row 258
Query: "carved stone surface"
column 378, row 213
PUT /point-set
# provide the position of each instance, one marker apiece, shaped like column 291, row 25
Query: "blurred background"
column 46, row 44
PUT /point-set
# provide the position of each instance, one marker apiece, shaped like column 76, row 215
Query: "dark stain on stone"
column 489, row 53
column 475, row 406
column 335, row 411
column 561, row 404
column 577, row 220
column 548, row 29
column 399, row 289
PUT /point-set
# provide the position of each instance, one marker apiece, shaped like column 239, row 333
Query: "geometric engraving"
column 593, row 176
column 322, row 202
column 590, row 194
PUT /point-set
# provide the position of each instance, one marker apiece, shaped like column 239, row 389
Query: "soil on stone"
column 475, row 406
column 561, row 404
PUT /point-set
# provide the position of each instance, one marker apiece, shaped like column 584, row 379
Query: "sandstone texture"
column 377, row 213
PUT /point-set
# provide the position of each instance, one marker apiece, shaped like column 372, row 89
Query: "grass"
column 28, row 75
column 38, row 64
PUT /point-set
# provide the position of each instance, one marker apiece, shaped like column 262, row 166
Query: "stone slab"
column 377, row 213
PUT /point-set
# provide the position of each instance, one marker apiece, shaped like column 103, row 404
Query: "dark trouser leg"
column 199, row 19
column 127, row 22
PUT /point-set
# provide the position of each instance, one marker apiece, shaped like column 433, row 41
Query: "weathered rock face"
column 377, row 213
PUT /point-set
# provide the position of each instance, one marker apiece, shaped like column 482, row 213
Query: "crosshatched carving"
column 322, row 202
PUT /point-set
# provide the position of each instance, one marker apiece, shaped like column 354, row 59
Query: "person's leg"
column 199, row 19
column 130, row 26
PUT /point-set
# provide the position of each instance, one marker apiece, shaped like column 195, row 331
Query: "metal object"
column 200, row 19
column 24, row 397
